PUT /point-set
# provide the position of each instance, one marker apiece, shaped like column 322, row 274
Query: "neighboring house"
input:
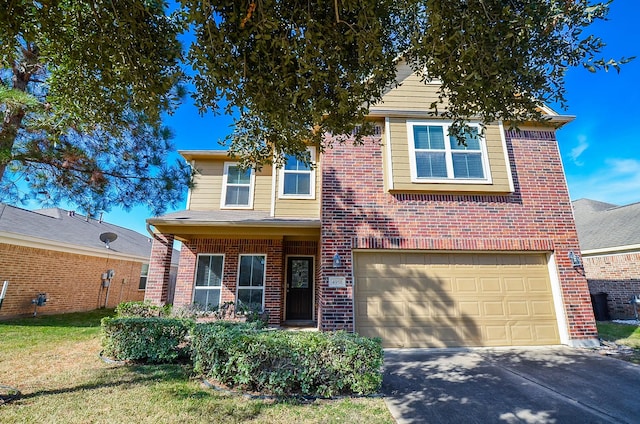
column 59, row 253
column 410, row 237
column 610, row 244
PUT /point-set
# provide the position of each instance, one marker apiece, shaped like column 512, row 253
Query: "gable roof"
column 59, row 229
column 607, row 227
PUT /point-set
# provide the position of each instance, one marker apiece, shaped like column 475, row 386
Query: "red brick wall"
column 619, row 277
column 358, row 213
column 232, row 249
column 157, row 291
column 276, row 251
column 72, row 282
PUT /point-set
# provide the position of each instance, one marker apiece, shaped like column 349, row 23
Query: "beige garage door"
column 451, row 299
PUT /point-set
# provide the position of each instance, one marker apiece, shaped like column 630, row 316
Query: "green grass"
column 628, row 335
column 622, row 334
column 53, row 361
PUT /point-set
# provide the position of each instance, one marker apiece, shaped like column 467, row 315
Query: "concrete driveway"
column 532, row 385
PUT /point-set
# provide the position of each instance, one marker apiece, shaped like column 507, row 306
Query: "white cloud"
column 617, row 183
column 578, row 150
column 624, row 166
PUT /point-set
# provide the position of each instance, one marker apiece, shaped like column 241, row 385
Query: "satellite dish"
column 107, row 238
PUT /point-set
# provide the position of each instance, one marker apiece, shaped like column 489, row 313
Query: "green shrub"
column 141, row 309
column 287, row 362
column 227, row 311
column 156, row 340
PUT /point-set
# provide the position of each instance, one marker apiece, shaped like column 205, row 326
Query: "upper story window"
column 297, row 179
column 436, row 157
column 237, row 187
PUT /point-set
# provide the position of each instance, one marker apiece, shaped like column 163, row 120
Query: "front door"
column 299, row 288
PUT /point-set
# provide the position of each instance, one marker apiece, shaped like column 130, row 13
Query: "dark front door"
column 299, row 288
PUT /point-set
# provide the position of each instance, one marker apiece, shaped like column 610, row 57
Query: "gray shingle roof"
column 237, row 217
column 603, row 225
column 58, row 225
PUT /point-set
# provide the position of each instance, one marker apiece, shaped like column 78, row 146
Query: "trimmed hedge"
column 141, row 309
column 156, row 340
column 287, row 362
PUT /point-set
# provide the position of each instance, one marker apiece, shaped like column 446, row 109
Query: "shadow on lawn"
column 135, row 375
column 73, row 319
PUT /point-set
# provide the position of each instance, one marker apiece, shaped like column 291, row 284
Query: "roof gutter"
column 255, row 224
column 40, row 243
column 616, row 250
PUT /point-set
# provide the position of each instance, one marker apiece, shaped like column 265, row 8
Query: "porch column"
column 157, row 289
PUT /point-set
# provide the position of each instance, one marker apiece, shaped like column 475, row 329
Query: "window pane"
column 428, row 137
column 237, row 176
column 251, row 298
column 467, row 165
column 143, row 283
column 145, row 269
column 251, row 271
column 295, row 183
column 207, row 298
column 294, row 164
column 299, row 274
column 237, row 196
column 471, row 139
column 209, row 270
column 431, row 165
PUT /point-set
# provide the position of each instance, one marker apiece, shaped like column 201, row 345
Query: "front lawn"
column 53, row 361
column 622, row 334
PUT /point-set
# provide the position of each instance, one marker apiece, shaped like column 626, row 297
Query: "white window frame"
column 312, row 179
column 264, row 278
column 195, row 276
column 449, row 179
column 144, row 273
column 223, row 196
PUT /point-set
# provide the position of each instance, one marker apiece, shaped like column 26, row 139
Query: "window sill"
column 296, row 197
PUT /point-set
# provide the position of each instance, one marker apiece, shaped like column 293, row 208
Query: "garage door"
column 451, row 299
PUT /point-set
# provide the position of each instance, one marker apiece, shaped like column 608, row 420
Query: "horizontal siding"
column 206, row 194
column 262, row 193
column 402, row 170
column 412, row 94
column 300, row 208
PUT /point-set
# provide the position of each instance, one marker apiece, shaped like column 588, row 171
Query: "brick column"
column 157, row 289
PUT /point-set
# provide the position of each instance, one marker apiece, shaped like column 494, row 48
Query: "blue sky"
column 599, row 148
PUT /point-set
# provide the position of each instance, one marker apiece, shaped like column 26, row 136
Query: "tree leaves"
column 103, row 71
column 96, row 78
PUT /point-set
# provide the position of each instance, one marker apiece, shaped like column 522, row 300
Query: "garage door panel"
column 454, row 299
column 467, row 285
column 515, row 284
column 518, row 308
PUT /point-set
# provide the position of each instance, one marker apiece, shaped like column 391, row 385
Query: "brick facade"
column 275, row 250
column 617, row 275
column 158, row 279
column 357, row 212
column 71, row 281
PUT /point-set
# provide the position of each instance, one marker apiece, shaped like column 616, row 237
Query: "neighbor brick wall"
column 617, row 275
column 358, row 213
column 71, row 281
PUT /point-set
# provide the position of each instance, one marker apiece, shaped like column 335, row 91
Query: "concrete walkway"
column 527, row 385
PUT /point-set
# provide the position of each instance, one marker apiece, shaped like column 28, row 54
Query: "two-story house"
column 411, row 237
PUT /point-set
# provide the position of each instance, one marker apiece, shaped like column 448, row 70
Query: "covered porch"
column 249, row 258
